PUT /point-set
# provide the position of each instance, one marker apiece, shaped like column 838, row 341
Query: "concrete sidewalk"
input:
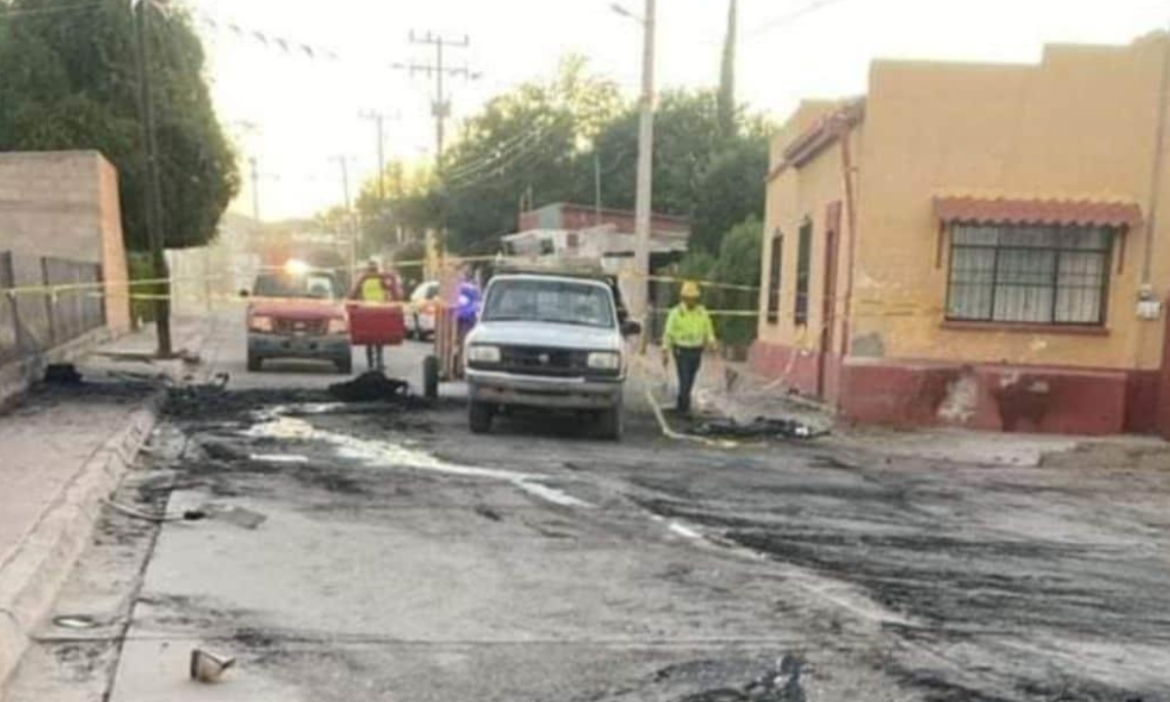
column 62, row 450
column 729, row 389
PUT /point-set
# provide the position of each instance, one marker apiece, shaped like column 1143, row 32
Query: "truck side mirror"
column 631, row 328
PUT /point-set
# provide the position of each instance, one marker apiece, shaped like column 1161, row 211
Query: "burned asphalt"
column 377, row 550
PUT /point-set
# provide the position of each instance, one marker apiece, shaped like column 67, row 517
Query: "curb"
column 31, row 581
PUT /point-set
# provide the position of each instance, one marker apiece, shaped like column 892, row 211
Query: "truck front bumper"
column 328, row 347
column 543, row 391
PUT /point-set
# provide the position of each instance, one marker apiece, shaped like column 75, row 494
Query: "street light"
column 626, row 12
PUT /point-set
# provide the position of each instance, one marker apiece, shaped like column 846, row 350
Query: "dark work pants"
column 687, row 362
column 374, row 357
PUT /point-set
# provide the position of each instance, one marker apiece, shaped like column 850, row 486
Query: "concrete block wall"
column 65, row 204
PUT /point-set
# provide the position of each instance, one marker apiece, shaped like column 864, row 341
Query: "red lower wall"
column 798, row 367
column 979, row 396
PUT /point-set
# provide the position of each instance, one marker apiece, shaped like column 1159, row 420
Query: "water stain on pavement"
column 391, row 454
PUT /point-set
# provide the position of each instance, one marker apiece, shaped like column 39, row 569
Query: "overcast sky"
column 305, row 110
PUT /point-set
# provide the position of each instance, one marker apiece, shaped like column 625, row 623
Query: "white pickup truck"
column 551, row 341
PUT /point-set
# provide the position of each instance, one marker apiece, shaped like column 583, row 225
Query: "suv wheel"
column 479, row 417
column 255, row 363
column 345, row 365
column 611, row 423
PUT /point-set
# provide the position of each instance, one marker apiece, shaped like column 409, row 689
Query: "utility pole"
column 441, row 106
column 154, row 235
column 379, row 120
column 643, row 207
column 596, row 189
column 253, row 165
column 343, row 161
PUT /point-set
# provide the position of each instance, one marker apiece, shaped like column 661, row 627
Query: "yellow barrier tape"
column 664, row 426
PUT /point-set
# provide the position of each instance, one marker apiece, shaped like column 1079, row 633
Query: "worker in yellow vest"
column 374, row 288
column 688, row 332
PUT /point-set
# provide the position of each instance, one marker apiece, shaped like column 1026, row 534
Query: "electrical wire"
column 522, row 159
column 498, row 154
column 775, row 23
column 495, row 169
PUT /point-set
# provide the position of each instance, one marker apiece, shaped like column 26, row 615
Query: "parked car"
column 420, row 313
column 553, row 341
column 297, row 312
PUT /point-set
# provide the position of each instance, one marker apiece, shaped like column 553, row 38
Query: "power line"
column 515, row 161
column 498, row 164
column 500, row 152
column 266, row 38
column 767, row 26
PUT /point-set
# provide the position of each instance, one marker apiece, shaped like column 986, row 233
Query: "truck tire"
column 345, row 365
column 479, row 417
column 611, row 423
column 431, row 377
column 255, row 363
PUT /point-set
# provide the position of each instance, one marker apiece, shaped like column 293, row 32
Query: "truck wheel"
column 431, row 377
column 255, row 363
column 345, row 365
column 479, row 417
column 611, row 423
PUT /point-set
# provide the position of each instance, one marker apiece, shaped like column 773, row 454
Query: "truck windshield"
column 549, row 301
column 318, row 286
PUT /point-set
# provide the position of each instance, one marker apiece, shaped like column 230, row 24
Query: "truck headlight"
column 604, row 360
column 338, row 325
column 260, row 323
column 483, row 354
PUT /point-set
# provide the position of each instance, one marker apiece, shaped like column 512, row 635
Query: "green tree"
column 530, row 144
column 69, row 82
column 698, row 173
column 739, row 264
column 411, row 205
column 731, row 189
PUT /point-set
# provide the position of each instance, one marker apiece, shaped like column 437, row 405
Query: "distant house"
column 979, row 245
column 570, row 231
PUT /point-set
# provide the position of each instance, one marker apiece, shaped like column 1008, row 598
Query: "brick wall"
column 65, row 204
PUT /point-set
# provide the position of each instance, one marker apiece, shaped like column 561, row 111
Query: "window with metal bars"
column 775, row 270
column 803, row 272
column 1029, row 274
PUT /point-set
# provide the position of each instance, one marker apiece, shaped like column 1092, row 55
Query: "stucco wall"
column 65, row 204
column 792, row 196
column 1082, row 123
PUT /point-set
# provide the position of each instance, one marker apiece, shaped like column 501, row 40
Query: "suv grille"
column 314, row 327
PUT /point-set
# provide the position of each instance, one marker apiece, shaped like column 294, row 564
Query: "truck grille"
column 539, row 360
column 311, row 327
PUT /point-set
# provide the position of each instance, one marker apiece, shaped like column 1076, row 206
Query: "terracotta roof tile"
column 1038, row 210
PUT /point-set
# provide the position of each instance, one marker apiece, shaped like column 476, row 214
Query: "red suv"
column 298, row 313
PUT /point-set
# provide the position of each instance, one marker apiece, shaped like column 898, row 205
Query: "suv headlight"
column 260, row 323
column 604, row 360
column 338, row 325
column 483, row 354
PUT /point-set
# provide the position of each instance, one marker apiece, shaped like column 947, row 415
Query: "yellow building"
column 980, row 245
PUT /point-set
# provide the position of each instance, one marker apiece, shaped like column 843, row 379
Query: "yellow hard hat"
column 690, row 290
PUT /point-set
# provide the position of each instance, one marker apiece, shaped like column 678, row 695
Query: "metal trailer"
column 445, row 364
